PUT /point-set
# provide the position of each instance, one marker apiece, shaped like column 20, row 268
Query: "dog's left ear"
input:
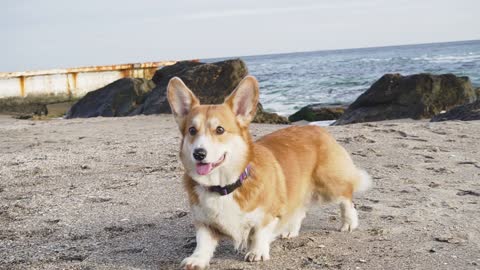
column 181, row 100
column 243, row 100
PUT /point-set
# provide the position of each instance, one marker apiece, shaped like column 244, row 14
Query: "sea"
column 290, row 81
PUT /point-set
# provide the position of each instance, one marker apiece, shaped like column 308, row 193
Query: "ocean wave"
column 289, row 82
column 376, row 59
column 449, row 58
column 386, row 59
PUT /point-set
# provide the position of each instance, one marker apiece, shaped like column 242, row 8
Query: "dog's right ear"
column 244, row 99
column 181, row 100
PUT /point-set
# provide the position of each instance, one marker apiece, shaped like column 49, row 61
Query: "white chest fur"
column 224, row 213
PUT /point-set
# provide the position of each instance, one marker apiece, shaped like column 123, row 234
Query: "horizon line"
column 208, row 59
column 342, row 49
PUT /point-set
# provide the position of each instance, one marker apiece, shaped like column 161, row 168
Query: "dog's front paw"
column 257, row 255
column 194, row 263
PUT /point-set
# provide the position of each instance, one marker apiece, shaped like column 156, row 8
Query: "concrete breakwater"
column 71, row 82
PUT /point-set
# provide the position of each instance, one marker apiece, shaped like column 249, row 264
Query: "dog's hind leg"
column 348, row 214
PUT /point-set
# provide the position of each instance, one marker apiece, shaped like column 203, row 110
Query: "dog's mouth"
column 206, row 168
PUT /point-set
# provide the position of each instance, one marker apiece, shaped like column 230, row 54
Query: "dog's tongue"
column 204, row 168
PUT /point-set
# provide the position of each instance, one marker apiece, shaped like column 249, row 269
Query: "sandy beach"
column 106, row 193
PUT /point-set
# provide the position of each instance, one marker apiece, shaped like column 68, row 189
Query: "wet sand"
column 106, row 193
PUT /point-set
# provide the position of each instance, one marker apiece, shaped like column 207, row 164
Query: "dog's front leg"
column 260, row 245
column 206, row 244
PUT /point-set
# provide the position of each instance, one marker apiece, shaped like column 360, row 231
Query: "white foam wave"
column 376, row 59
column 449, row 58
column 325, row 123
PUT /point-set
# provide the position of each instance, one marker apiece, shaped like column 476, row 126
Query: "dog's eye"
column 220, row 130
column 192, row 131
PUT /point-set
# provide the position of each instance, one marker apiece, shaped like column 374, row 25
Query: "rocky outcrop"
column 318, row 112
column 418, row 96
column 35, row 106
column 466, row 112
column 119, row 98
column 156, row 102
column 211, row 83
column 22, row 110
column 268, row 118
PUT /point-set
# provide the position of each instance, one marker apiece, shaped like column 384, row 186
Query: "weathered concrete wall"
column 73, row 82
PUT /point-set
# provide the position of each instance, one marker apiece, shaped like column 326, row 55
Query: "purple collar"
column 232, row 187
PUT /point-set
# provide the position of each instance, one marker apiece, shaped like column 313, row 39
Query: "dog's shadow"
column 158, row 243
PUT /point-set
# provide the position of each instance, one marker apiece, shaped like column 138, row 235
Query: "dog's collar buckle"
column 225, row 190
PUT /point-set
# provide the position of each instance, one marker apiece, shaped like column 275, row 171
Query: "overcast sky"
column 41, row 34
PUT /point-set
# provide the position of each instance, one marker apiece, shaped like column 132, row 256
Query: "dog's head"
column 216, row 141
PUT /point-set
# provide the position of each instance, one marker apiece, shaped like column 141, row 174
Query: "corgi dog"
column 253, row 192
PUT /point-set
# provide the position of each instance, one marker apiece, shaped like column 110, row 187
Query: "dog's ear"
column 243, row 100
column 181, row 100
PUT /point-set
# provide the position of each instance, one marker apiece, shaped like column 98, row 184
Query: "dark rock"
column 318, row 112
column 33, row 105
column 417, row 96
column 119, row 98
column 211, row 83
column 163, row 75
column 156, row 102
column 466, row 112
column 22, row 110
column 477, row 92
column 268, row 118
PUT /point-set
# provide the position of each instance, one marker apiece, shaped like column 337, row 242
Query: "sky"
column 58, row 34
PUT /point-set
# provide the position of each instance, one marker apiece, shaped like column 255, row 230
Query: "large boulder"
column 417, row 96
column 210, row 82
column 119, row 98
column 318, row 112
column 265, row 117
column 156, row 102
column 467, row 112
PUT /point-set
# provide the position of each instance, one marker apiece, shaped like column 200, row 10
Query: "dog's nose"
column 199, row 154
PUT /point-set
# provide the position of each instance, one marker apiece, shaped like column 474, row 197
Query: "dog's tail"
column 364, row 181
